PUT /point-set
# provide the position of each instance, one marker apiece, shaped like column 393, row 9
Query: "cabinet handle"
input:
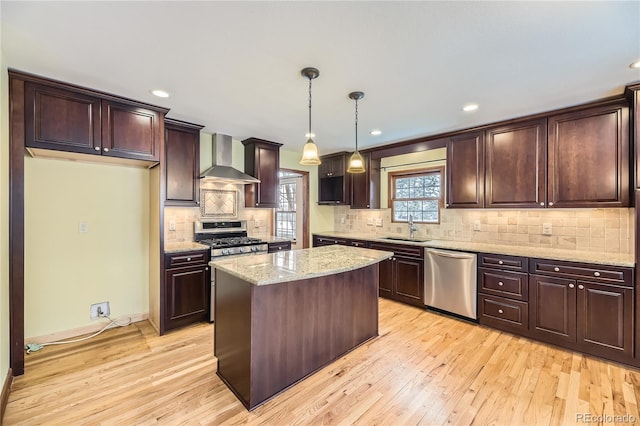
column 500, row 311
column 551, row 203
column 596, row 274
column 500, row 283
column 571, row 286
column 556, row 269
column 97, row 148
column 542, row 204
column 500, row 262
column 105, row 149
column 581, row 287
column 188, row 259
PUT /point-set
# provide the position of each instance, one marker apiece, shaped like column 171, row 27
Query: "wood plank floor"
column 425, row 368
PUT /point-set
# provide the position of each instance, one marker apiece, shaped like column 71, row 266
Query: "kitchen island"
column 280, row 317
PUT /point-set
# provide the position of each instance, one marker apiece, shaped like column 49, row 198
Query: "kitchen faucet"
column 412, row 227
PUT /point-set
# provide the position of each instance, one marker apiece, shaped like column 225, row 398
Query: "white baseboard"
column 81, row 331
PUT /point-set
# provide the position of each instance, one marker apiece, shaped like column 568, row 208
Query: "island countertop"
column 272, row 268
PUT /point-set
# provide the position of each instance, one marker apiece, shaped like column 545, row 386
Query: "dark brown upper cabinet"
column 465, row 171
column 633, row 94
column 365, row 187
column 70, row 119
column 262, row 161
column 182, row 159
column 516, row 165
column 334, row 183
column 589, row 157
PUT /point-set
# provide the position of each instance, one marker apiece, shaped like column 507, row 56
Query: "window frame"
column 276, row 211
column 391, row 190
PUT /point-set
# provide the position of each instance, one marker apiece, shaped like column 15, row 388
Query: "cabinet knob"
column 581, row 287
column 500, row 262
column 542, row 204
column 256, row 204
column 279, row 248
column 105, row 149
column 337, row 202
column 500, row 283
column 206, row 269
column 188, row 259
column 596, row 274
column 356, row 244
column 556, row 269
column 446, row 205
column 571, row 286
column 551, row 203
column 367, row 205
column 97, row 148
column 500, row 311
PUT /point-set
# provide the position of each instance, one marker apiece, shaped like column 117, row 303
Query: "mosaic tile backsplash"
column 608, row 230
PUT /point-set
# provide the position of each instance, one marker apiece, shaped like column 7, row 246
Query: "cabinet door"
column 516, row 165
column 553, row 309
column 465, row 171
column 409, row 280
column 182, row 159
column 385, row 278
column 589, row 158
column 605, row 320
column 129, row 131
column 188, row 292
column 61, row 120
column 262, row 161
column 365, row 187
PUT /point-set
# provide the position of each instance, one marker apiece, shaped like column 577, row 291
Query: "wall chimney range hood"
column 221, row 171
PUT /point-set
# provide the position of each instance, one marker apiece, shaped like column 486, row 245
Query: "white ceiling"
column 235, row 66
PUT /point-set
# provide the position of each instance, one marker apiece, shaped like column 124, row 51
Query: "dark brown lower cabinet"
column 590, row 317
column 279, row 246
column 187, row 289
column 402, row 276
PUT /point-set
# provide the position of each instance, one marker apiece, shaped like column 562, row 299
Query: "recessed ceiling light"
column 635, row 64
column 309, row 135
column 160, row 93
column 375, row 132
column 470, row 107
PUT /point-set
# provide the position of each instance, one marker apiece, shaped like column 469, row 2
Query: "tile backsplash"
column 259, row 221
column 609, row 230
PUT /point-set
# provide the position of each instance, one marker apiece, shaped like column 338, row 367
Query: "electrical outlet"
column 379, row 222
column 342, row 220
column 256, row 223
column 83, row 227
column 476, row 225
column 547, row 229
column 99, row 310
column 172, row 225
column 370, row 221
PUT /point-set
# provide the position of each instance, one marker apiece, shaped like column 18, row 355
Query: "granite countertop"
column 596, row 257
column 184, row 246
column 273, row 268
column 275, row 239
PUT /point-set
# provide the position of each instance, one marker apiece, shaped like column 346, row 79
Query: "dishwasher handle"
column 451, row 254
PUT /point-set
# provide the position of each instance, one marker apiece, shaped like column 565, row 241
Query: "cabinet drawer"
column 504, row 314
column 510, row 263
column 400, row 249
column 328, row 240
column 586, row 271
column 514, row 285
column 359, row 243
column 173, row 260
column 280, row 246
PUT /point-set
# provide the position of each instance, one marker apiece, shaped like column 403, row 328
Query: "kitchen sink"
column 413, row 240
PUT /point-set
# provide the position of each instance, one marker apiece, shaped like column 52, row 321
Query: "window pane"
column 400, row 211
column 422, row 194
column 286, row 211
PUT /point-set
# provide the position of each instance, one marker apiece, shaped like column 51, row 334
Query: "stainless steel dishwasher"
column 450, row 282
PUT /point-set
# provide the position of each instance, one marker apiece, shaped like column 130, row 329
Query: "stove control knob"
column 225, row 251
column 254, row 248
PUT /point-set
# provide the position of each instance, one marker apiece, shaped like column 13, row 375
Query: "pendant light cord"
column 309, row 108
column 356, row 125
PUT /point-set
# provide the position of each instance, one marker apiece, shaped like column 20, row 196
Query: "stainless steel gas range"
column 226, row 238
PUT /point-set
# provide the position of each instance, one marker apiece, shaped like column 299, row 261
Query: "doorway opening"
column 291, row 219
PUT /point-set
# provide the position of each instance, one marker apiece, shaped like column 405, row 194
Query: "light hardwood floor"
column 424, row 368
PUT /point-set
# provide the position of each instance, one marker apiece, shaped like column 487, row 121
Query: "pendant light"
column 356, row 162
column 310, row 150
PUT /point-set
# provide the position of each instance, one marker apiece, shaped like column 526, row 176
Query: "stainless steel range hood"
column 221, row 170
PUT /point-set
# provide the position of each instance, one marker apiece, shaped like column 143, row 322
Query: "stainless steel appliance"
column 450, row 282
column 226, row 238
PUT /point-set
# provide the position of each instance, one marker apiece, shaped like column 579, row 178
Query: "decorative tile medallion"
column 218, row 203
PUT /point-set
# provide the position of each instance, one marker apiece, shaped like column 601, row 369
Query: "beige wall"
column 4, row 216
column 66, row 271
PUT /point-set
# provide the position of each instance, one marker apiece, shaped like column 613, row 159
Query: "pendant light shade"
column 356, row 162
column 310, row 150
